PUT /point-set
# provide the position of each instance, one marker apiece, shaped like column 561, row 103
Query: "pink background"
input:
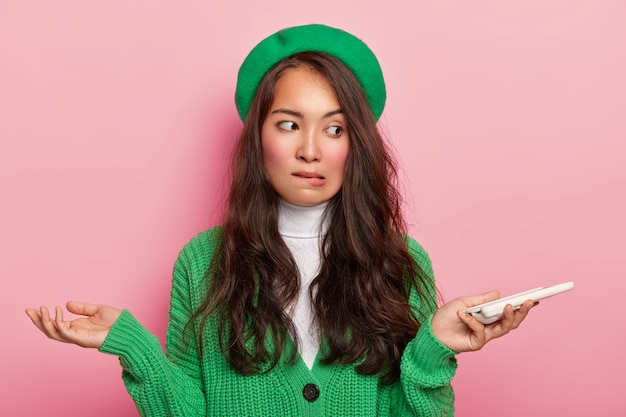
column 116, row 121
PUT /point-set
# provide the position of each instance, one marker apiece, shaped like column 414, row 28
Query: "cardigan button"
column 311, row 392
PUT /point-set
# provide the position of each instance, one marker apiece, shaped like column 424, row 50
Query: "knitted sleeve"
column 164, row 384
column 427, row 365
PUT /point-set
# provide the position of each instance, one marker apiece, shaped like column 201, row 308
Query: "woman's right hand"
column 89, row 331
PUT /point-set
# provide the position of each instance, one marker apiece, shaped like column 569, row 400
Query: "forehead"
column 305, row 88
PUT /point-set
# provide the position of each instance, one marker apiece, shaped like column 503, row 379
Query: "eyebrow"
column 300, row 115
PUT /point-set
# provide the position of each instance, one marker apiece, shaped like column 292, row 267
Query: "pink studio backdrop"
column 116, row 121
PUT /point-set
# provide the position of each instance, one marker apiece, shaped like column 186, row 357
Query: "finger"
column 478, row 336
column 33, row 314
column 522, row 313
column 485, row 297
column 470, row 321
column 61, row 326
column 83, row 309
column 35, row 317
column 508, row 319
column 502, row 327
column 48, row 326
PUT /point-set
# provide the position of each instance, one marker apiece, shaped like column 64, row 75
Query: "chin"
column 304, row 203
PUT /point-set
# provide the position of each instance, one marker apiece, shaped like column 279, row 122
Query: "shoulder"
column 207, row 238
column 199, row 251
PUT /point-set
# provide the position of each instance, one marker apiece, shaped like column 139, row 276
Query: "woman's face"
column 305, row 139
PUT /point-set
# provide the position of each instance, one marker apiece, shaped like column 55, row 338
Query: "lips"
column 310, row 177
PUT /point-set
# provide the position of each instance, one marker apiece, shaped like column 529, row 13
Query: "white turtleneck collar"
column 301, row 221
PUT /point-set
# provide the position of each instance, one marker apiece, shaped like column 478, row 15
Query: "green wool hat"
column 311, row 38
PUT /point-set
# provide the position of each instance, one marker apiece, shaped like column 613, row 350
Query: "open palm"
column 88, row 331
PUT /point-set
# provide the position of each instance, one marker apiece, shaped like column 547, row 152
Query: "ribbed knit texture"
column 183, row 383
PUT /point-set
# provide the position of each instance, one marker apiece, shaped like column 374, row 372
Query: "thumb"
column 82, row 309
column 485, row 297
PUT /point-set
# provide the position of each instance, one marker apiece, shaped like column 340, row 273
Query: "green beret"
column 311, row 38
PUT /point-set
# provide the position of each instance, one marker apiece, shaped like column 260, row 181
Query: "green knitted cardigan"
column 184, row 383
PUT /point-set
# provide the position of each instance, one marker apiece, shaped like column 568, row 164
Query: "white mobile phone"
column 492, row 311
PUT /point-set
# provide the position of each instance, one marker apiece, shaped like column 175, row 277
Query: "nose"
column 309, row 150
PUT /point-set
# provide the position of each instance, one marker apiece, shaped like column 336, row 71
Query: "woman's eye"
column 288, row 126
column 334, row 130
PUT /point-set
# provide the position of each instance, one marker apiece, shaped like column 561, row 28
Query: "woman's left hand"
column 463, row 333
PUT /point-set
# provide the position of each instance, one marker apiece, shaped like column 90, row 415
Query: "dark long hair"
column 360, row 295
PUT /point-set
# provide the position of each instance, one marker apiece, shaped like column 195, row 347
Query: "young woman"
column 310, row 299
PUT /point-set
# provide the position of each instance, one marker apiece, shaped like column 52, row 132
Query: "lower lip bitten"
column 313, row 180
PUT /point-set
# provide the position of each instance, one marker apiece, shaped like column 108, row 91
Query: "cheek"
column 339, row 156
column 271, row 149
